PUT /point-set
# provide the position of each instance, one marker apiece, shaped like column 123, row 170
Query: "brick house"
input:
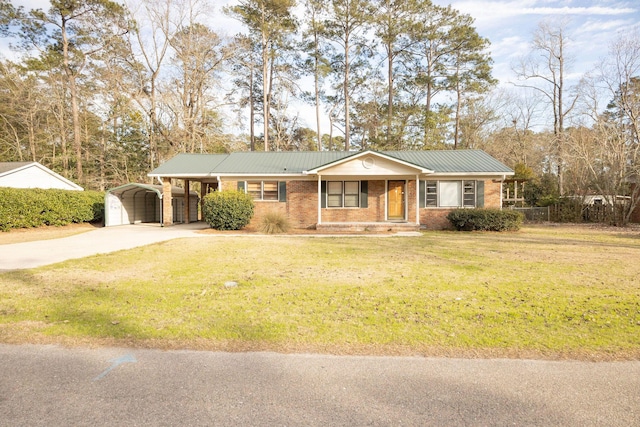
column 329, row 190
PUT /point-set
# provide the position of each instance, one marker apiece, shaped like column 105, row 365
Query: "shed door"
column 395, row 200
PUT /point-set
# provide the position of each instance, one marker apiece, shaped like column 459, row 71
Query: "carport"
column 142, row 203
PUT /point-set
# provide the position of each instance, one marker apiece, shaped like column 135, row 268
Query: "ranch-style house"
column 332, row 190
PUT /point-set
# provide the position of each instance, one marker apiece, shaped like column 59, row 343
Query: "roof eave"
column 357, row 155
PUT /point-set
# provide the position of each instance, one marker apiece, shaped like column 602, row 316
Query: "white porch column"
column 418, row 199
column 319, row 199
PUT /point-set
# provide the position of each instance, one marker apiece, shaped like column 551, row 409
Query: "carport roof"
column 136, row 187
column 299, row 162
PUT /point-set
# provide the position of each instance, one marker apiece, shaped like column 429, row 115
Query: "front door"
column 395, row 200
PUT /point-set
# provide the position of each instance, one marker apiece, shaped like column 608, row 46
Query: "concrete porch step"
column 378, row 227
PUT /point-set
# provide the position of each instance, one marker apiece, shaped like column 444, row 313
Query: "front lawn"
column 542, row 292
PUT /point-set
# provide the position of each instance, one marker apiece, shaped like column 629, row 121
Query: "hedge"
column 227, row 210
column 485, row 220
column 34, row 207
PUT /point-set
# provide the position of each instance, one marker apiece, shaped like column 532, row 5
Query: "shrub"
column 227, row 210
column 274, row 223
column 34, row 207
column 485, row 220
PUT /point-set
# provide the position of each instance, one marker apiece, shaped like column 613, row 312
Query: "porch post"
column 187, row 208
column 418, row 199
column 167, row 210
column 319, row 199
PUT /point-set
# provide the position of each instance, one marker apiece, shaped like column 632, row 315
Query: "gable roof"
column 303, row 162
column 6, row 167
column 370, row 153
column 31, row 175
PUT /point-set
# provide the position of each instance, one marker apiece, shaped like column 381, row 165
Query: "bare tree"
column 611, row 152
column 544, row 70
column 157, row 22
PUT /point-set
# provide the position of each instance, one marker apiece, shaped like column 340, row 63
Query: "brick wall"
column 302, row 205
column 492, row 194
column 436, row 218
column 373, row 213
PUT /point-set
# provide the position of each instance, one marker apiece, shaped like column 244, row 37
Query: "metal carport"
column 142, row 203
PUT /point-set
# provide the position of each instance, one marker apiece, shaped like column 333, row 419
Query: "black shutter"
column 480, row 194
column 323, row 194
column 364, row 194
column 282, row 191
column 422, row 197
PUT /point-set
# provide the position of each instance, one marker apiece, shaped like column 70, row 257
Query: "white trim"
column 488, row 175
column 417, row 200
column 46, row 170
column 319, row 199
column 367, row 153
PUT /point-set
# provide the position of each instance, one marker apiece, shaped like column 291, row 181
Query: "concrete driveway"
column 102, row 240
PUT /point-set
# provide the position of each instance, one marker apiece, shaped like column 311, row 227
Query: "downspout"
column 161, row 211
column 219, row 183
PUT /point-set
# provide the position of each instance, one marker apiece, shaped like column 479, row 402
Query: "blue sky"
column 510, row 24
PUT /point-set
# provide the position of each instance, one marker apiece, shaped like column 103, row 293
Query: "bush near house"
column 34, row 207
column 485, row 220
column 227, row 210
column 274, row 223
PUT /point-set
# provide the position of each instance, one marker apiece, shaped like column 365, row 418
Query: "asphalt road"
column 52, row 386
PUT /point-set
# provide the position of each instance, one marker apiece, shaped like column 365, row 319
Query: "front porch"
column 375, row 227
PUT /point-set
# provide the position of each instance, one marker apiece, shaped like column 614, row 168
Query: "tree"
column 270, row 21
column 395, row 21
column 157, row 21
column 317, row 62
column 612, row 153
column 246, row 82
column 75, row 30
column 346, row 26
column 548, row 68
column 471, row 66
column 200, row 53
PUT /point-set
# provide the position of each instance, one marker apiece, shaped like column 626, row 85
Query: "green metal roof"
column 298, row 162
column 452, row 161
column 190, row 164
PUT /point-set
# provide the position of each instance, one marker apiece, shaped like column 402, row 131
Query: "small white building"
column 33, row 175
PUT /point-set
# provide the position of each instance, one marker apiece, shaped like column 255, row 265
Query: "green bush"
column 274, row 223
column 227, row 210
column 485, row 220
column 34, row 207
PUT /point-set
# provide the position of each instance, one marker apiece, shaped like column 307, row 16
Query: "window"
column 449, row 194
column 453, row 194
column 469, row 194
column 432, row 193
column 343, row 194
column 263, row 190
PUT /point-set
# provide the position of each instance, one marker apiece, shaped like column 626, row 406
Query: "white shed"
column 142, row 203
column 33, row 175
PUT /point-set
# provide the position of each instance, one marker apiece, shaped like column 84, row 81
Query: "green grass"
column 541, row 292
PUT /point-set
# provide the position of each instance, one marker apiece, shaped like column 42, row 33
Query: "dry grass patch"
column 545, row 291
column 22, row 235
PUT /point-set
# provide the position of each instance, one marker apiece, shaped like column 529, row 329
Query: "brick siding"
column 301, row 207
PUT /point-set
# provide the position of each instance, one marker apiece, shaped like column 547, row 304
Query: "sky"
column 510, row 24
